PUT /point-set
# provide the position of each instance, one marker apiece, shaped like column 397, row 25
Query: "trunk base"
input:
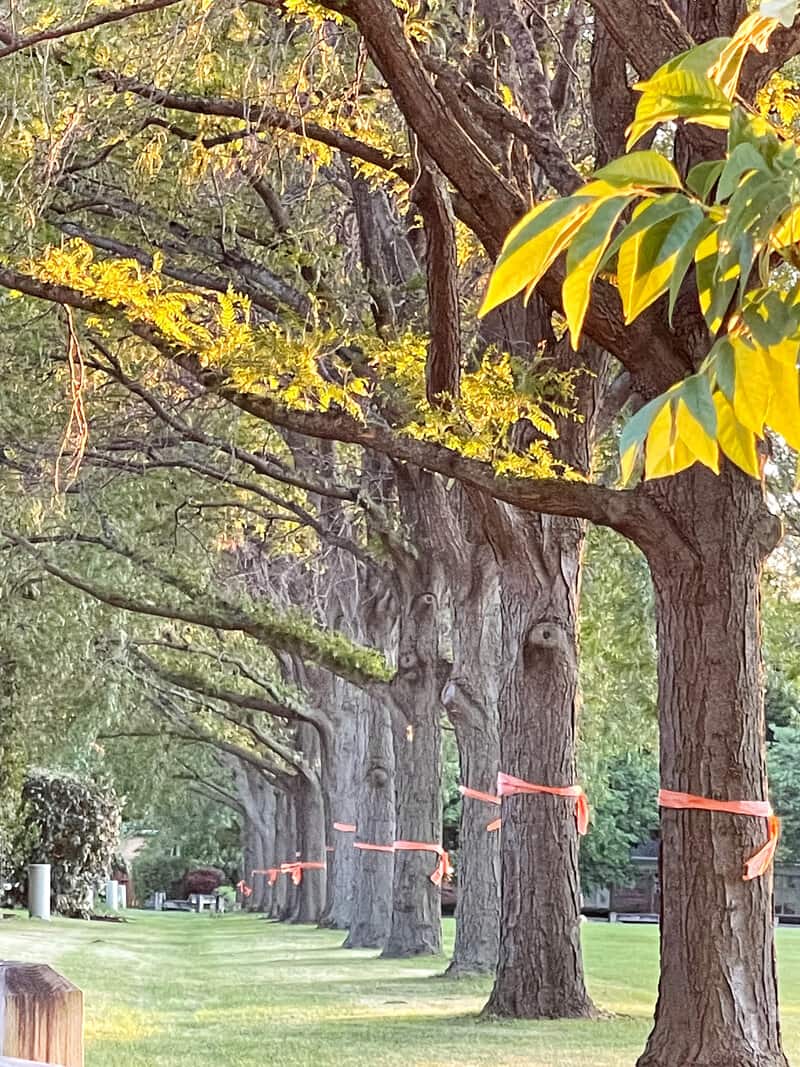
column 460, row 969
column 399, row 952
column 722, row 1059
column 362, row 943
column 546, row 1008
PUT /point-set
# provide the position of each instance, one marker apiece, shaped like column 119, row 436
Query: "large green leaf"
column 646, row 262
column 646, row 168
column 679, row 94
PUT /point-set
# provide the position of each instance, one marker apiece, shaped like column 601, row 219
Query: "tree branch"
column 259, row 116
column 103, row 18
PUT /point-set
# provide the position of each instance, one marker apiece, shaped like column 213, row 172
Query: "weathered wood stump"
column 41, row 1015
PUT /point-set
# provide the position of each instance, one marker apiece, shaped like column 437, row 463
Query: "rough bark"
column 342, row 805
column 540, row 969
column 471, row 698
column 309, row 895
column 413, row 697
column 374, row 871
column 717, row 1004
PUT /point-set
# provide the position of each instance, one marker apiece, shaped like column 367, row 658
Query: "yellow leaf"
column 787, row 232
column 754, row 32
column 679, row 458
column 522, row 263
column 783, row 414
column 659, row 443
column 628, row 462
column 695, row 438
column 736, row 441
column 524, row 260
column 583, row 260
column 752, row 386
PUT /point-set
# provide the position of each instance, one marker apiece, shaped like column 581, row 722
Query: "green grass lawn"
column 177, row 990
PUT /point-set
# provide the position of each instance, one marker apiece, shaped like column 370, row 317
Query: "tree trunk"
column 348, row 758
column 285, row 852
column 540, row 967
column 416, row 928
column 471, row 700
column 717, row 1003
column 373, row 872
column 309, row 895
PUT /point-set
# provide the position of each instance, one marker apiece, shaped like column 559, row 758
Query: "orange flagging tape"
column 443, row 868
column 365, row 847
column 295, row 870
column 244, row 888
column 759, row 862
column 271, row 873
column 344, row 827
column 488, row 798
column 509, row 786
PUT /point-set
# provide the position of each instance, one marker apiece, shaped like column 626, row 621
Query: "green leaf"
column 647, row 261
column 680, row 94
column 702, row 176
column 745, row 157
column 641, row 168
column 699, row 59
column 684, row 258
column 635, row 431
column 648, row 214
column 723, row 360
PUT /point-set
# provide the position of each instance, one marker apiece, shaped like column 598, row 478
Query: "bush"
column 203, row 880
column 74, row 826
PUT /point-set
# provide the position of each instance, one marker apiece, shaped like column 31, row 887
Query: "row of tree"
column 343, row 503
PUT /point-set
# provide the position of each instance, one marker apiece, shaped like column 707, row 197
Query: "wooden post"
column 41, row 1015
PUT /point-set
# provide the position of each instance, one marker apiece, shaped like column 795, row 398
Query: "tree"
column 705, row 535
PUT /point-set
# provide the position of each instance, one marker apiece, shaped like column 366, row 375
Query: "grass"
column 175, row 990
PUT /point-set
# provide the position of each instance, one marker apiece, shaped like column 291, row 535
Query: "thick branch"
column 260, row 116
column 647, row 31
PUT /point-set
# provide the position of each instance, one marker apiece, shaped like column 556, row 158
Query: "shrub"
column 74, row 826
column 203, row 880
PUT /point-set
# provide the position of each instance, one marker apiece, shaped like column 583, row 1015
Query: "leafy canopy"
column 733, row 222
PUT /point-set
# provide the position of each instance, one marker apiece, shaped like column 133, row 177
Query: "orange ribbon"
column 365, row 847
column 508, row 786
column 488, row 798
column 271, row 873
column 443, row 867
column 344, row 827
column 759, row 862
column 295, row 870
column 244, row 888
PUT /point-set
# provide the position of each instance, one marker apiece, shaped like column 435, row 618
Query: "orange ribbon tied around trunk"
column 295, row 870
column 759, row 862
column 509, row 786
column 443, row 867
column 488, row 798
column 366, row 847
column 244, row 888
column 344, row 827
column 271, row 873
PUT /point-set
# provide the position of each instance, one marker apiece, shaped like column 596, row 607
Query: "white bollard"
column 122, row 897
column 112, row 894
column 39, row 891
